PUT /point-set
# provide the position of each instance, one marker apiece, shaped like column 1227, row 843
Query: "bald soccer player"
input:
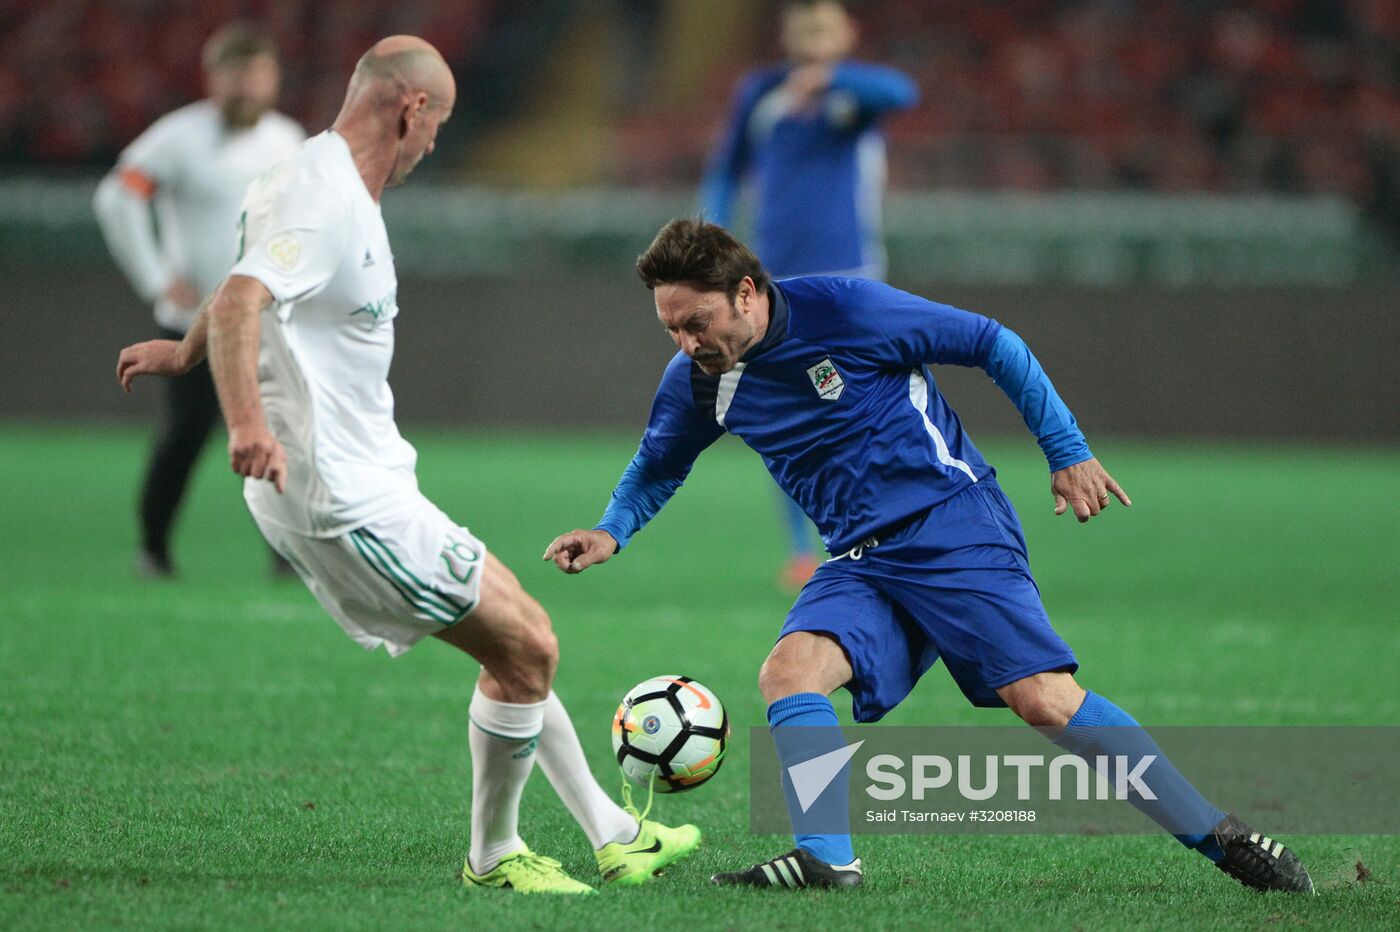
column 299, row 338
column 192, row 166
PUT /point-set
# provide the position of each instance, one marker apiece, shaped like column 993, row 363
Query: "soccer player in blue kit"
column 805, row 135
column 828, row 379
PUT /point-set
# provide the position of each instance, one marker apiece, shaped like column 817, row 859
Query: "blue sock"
column 1100, row 728
column 799, row 528
column 804, row 726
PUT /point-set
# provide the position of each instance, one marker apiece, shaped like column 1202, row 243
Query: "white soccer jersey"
column 195, row 171
column 316, row 239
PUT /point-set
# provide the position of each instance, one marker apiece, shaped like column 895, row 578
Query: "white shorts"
column 394, row 581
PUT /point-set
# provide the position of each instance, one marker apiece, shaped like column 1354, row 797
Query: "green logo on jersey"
column 379, row 310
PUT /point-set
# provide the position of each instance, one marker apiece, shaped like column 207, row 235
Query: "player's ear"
column 411, row 108
column 747, row 290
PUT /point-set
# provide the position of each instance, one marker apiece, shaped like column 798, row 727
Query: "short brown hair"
column 701, row 254
column 235, row 44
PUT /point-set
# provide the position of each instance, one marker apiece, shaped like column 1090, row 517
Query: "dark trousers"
column 191, row 410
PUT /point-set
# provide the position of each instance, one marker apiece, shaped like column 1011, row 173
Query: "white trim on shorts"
column 419, row 595
column 394, row 581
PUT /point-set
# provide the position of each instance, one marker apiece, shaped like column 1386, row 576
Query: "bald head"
column 400, row 94
column 402, row 65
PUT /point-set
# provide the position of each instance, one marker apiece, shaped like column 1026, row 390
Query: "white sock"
column 562, row 760
column 503, row 737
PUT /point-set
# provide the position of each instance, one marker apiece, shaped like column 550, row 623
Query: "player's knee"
column 1041, row 713
column 803, row 662
column 546, row 651
column 539, row 645
column 526, row 677
column 768, row 679
column 526, row 652
column 778, row 678
column 1044, row 701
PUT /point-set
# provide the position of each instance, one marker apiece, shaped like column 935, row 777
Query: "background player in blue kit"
column 806, row 135
column 827, row 379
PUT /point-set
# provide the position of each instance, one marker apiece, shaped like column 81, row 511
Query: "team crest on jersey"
column 285, row 250
column 826, row 380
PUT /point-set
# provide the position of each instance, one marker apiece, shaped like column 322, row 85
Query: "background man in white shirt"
column 190, row 169
column 299, row 338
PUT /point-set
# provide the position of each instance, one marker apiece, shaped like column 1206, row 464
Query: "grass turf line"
column 214, row 752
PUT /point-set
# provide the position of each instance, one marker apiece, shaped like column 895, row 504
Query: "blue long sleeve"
column 1017, row 373
column 644, row 488
column 730, row 158
column 876, row 87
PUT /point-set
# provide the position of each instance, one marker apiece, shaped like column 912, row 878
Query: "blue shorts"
column 953, row 583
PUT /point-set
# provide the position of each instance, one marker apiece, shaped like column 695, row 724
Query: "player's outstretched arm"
column 1085, row 487
column 1077, row 479
column 675, row 435
column 577, row 550
column 878, row 88
column 153, row 357
column 169, row 358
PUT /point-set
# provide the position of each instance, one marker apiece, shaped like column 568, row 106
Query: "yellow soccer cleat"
column 656, row 847
column 526, row 872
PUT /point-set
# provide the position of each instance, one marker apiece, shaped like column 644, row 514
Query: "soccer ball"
column 672, row 729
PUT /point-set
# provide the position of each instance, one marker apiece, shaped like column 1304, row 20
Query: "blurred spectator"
column 79, row 79
column 1293, row 96
column 805, row 135
column 192, row 166
column 1289, row 96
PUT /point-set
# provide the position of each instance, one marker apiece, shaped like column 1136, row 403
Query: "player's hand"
column 181, row 294
column 154, row 357
column 576, row 551
column 253, row 452
column 1085, row 487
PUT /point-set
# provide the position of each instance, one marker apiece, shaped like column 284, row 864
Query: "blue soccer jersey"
column 817, row 173
column 930, row 563
column 839, row 400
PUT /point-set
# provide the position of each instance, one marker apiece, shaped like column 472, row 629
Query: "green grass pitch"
column 214, row 753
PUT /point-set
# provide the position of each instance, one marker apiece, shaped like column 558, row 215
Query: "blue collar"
column 777, row 324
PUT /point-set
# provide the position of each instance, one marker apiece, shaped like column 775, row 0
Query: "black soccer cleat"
column 1258, row 861
column 793, row 871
